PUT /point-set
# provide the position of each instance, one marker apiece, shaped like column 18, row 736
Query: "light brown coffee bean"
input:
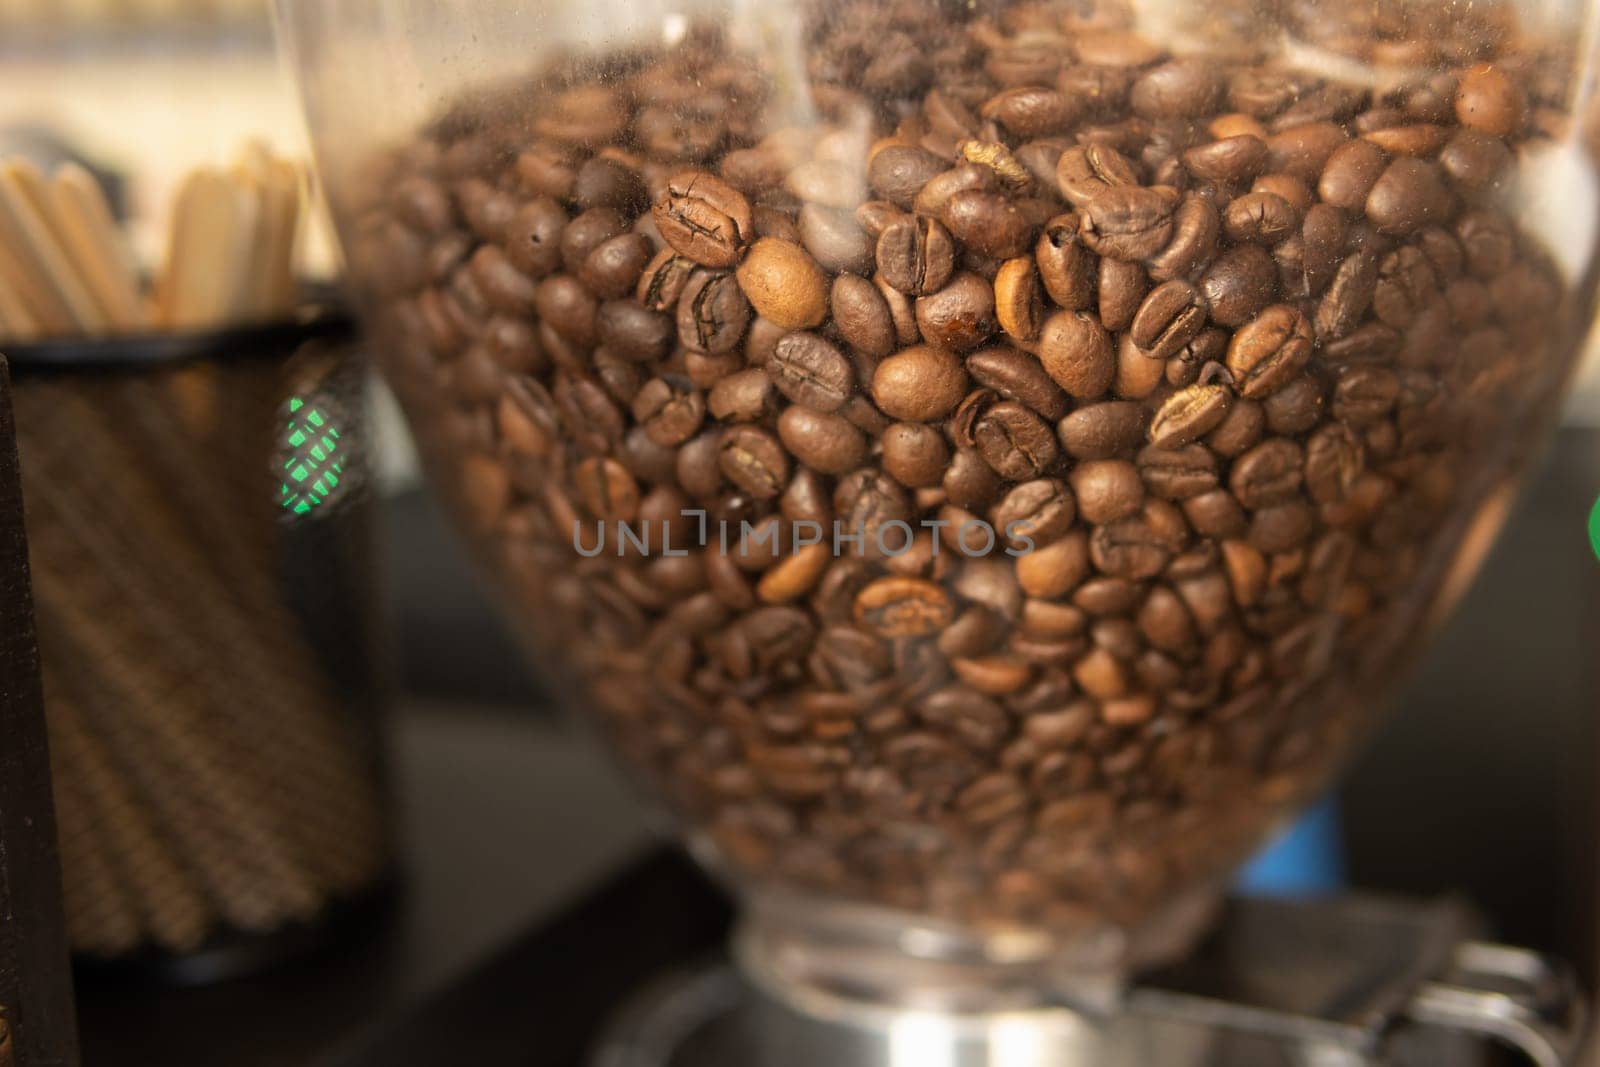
column 704, row 218
column 784, row 284
column 1076, row 352
column 920, row 384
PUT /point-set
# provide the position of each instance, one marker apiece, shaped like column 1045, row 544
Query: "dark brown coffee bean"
column 713, row 313
column 1296, row 407
column 836, row 240
column 613, row 269
column 633, row 332
column 1475, row 161
column 1107, row 490
column 1014, row 441
column 586, row 233
column 904, row 607
column 1407, row 196
column 1302, row 151
column 1282, row 527
column 1241, row 282
column 1232, row 159
column 1269, row 473
column 990, row 224
column 1190, row 414
column 1196, row 232
column 969, row 482
column 704, row 218
column 1019, row 299
column 1406, row 284
column 753, row 460
column 1085, row 171
column 1260, row 218
column 1122, row 287
column 920, row 384
column 1215, row 514
column 1170, row 316
column 569, row 308
column 960, row 316
column 915, row 255
column 824, row 442
column 1269, row 350
column 1067, row 268
column 1364, row 394
column 1031, row 111
column 915, row 455
column 747, row 396
column 670, row 412
column 607, row 490
column 1348, row 296
column 1130, row 222
column 1180, row 473
column 533, row 237
column 1179, row 88
column 898, row 173
column 1076, row 352
column 662, row 284
column 862, row 315
column 1035, row 514
column 810, row 371
column 1334, row 460
column 1103, row 431
column 1020, row 377
column 1488, row 100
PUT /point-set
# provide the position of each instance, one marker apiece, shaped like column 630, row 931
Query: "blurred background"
column 1483, row 787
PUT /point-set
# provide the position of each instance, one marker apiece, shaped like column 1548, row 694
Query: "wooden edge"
column 35, row 972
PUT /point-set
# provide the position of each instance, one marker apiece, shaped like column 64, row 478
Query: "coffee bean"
column 1241, row 282
column 1075, row 351
column 920, row 384
column 1103, row 431
column 1138, row 376
column 1014, row 441
column 704, row 218
column 960, row 316
column 1268, row 473
column 1348, row 296
column 1168, row 319
column 899, row 172
column 1086, row 171
column 1035, row 514
column 1490, row 102
column 810, row 371
column 1179, row 88
column 989, row 223
column 1178, row 473
column 824, row 442
column 662, row 284
column 1296, row 407
column 1019, row 299
column 1260, row 218
column 915, row 455
column 713, row 313
column 1408, row 195
column 1066, row 266
column 1017, row 376
column 1107, row 490
column 753, row 460
column 1334, row 460
column 915, row 255
column 1269, row 350
column 1123, row 286
column 1190, row 414
column 1231, row 159
column 1130, row 222
column 1196, row 231
column 784, row 284
column 903, row 607
column 969, row 481
column 747, row 396
column 670, row 413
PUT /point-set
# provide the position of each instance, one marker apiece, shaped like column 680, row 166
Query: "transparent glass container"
column 982, row 464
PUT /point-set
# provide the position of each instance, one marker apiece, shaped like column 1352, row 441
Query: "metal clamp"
column 1511, row 995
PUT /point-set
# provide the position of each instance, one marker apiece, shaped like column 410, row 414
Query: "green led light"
column 311, row 458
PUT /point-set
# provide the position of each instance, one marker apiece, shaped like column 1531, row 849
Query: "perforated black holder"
column 320, row 317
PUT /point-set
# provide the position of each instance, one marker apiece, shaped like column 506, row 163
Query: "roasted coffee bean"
column 1241, row 282
column 1196, row 232
column 1138, row 375
column 1067, row 268
column 704, row 218
column 1130, row 222
column 1086, row 171
column 1018, row 376
column 1269, row 473
column 784, row 284
column 1122, row 288
column 713, row 313
column 662, row 284
column 1107, row 490
column 586, row 233
column 1488, row 101
column 1035, row 514
column 1408, row 195
column 898, row 173
column 1334, row 460
column 1348, row 296
column 533, row 237
column 990, row 224
column 862, row 315
column 969, row 481
column 748, row 396
column 669, row 412
column 810, row 371
column 754, row 460
column 1260, row 218
column 1232, row 159
column 1269, row 350
column 916, row 255
column 915, row 455
column 1178, row 88
column 903, row 607
column 920, row 384
column 960, row 316
column 1103, row 431
column 1168, row 319
column 1178, row 473
column 1296, row 407
column 1014, row 441
column 1190, row 414
column 1019, row 299
column 824, row 442
column 1076, row 352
